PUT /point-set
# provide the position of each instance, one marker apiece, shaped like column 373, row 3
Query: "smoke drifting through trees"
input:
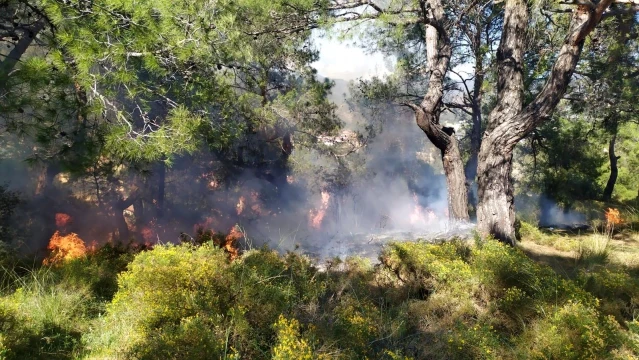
column 388, row 184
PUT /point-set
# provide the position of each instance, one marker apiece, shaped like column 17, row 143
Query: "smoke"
column 321, row 204
column 552, row 215
column 540, row 209
column 392, row 189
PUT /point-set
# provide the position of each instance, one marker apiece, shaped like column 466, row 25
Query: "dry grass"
column 568, row 253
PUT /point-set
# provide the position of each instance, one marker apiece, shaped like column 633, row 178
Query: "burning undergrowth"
column 64, row 248
column 312, row 199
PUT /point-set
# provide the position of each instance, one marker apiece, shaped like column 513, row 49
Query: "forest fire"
column 613, row 218
column 420, row 215
column 64, row 248
column 148, row 235
column 317, row 215
column 240, row 205
column 228, row 242
column 62, row 220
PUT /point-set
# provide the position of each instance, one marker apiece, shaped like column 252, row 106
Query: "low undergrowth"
column 423, row 301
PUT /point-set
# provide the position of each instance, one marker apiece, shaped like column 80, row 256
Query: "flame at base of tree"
column 230, row 242
column 64, row 248
column 317, row 215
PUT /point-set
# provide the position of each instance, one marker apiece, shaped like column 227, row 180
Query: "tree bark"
column 625, row 24
column 439, row 52
column 121, row 205
column 475, row 133
column 456, row 181
column 496, row 205
column 495, row 210
column 46, row 177
column 509, row 122
column 614, row 171
column 11, row 59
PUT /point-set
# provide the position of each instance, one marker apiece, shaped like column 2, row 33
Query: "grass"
column 457, row 300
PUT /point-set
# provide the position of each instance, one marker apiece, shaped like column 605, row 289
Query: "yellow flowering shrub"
column 190, row 302
column 290, row 345
column 573, row 331
column 435, row 301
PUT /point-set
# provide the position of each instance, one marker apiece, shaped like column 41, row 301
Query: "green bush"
column 189, row 302
column 44, row 319
column 435, row 301
column 573, row 331
column 616, row 288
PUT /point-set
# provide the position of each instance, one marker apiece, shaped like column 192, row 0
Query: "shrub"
column 44, row 319
column 573, row 331
column 594, row 250
column 618, row 290
column 290, row 345
column 189, row 302
column 444, row 301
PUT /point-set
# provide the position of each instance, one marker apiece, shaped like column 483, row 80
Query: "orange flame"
column 613, row 217
column 62, row 220
column 147, row 234
column 64, row 248
column 240, row 205
column 421, row 215
column 317, row 215
column 230, row 242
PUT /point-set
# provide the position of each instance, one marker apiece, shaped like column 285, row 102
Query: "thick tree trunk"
column 475, row 144
column 475, row 133
column 46, row 177
column 456, row 181
column 138, row 211
column 123, row 228
column 496, row 206
column 614, row 171
column 121, row 205
column 509, row 123
column 439, row 52
column 444, row 139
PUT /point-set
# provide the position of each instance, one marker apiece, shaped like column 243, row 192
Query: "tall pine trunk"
column 475, row 133
column 161, row 188
column 455, row 181
column 496, row 205
column 510, row 122
column 439, row 52
column 614, row 171
column 475, row 101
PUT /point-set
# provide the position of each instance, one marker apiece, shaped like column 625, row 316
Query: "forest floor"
column 567, row 251
column 558, row 295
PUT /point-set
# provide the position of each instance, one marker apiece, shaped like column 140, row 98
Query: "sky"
column 339, row 60
column 342, row 60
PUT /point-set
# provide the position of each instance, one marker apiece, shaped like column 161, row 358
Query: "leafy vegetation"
column 457, row 300
column 135, row 122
